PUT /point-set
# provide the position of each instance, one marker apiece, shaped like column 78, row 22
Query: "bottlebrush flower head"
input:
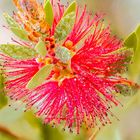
column 67, row 65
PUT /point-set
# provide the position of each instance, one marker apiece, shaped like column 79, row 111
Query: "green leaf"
column 131, row 41
column 11, row 22
column 3, row 98
column 126, row 90
column 71, row 8
column 2, row 79
column 15, row 27
column 49, row 12
column 66, row 23
column 17, row 51
column 63, row 54
column 41, row 48
column 137, row 51
column 40, row 76
column 20, row 33
column 134, row 41
column 65, row 26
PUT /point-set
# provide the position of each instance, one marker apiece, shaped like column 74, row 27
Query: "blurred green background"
column 15, row 124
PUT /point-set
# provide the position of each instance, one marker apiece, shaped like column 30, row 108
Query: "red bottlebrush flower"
column 64, row 80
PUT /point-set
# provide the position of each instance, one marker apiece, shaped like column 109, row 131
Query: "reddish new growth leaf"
column 87, row 64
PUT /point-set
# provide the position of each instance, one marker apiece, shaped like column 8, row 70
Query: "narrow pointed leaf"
column 65, row 26
column 49, row 12
column 131, row 41
column 20, row 33
column 3, row 98
column 17, row 51
column 40, row 76
column 2, row 80
column 137, row 51
column 126, row 90
column 41, row 48
column 63, row 54
column 71, row 8
column 11, row 22
column 15, row 27
column 134, row 68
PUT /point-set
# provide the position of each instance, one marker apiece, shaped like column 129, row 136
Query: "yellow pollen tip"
column 68, row 44
column 39, row 60
column 44, row 60
column 47, row 60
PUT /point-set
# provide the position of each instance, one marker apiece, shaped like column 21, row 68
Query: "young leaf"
column 2, row 79
column 134, row 38
column 15, row 27
column 11, row 22
column 3, row 98
column 65, row 26
column 126, row 90
column 40, row 76
column 20, row 33
column 137, row 50
column 71, row 8
column 17, row 52
column 49, row 12
column 41, row 48
column 131, row 41
column 63, row 54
